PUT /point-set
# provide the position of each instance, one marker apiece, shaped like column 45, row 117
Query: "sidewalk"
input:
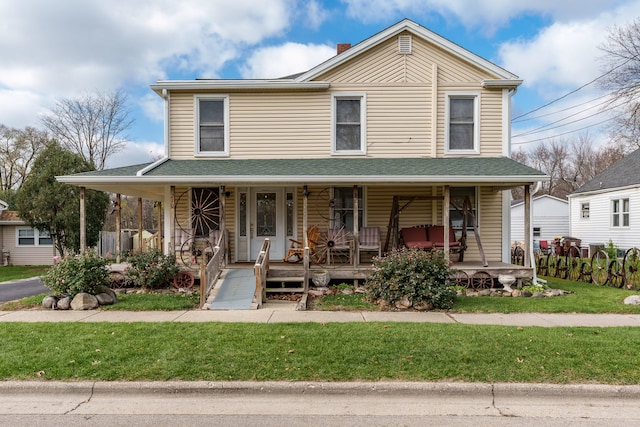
column 284, row 312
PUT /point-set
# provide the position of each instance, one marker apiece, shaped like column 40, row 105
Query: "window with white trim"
column 33, row 237
column 463, row 123
column 349, row 118
column 584, row 210
column 458, row 195
column 212, row 125
column 620, row 213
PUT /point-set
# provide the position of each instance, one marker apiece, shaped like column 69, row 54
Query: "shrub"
column 421, row 276
column 79, row 273
column 152, row 269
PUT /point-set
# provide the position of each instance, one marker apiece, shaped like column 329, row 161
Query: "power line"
column 561, row 134
column 564, row 109
column 575, row 90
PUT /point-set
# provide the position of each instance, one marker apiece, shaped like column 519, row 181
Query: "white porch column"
column 446, row 192
column 140, row 223
column 118, row 227
column 172, row 222
column 83, row 220
column 527, row 226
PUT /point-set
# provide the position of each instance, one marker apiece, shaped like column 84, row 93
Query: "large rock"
column 84, row 301
column 64, row 303
column 404, row 302
column 50, row 302
column 105, row 299
column 106, row 290
column 632, row 300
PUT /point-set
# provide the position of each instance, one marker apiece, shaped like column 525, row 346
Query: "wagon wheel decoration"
column 585, row 271
column 573, row 263
column 631, row 268
column 333, row 246
column 542, row 265
column 204, row 215
column 599, row 267
column 481, row 280
column 552, row 265
column 460, row 278
column 183, row 280
column 615, row 274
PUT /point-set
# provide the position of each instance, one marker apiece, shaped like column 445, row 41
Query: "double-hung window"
column 463, row 123
column 349, row 119
column 212, row 125
column 458, row 197
column 33, row 237
column 584, row 210
column 620, row 212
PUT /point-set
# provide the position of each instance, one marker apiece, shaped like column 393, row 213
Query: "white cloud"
column 485, row 14
column 316, row 15
column 286, row 59
column 153, row 107
column 136, row 153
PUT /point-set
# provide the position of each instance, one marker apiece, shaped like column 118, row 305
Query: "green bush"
column 79, row 273
column 421, row 276
column 152, row 269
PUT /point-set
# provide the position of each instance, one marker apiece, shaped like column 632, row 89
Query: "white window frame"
column 621, row 214
column 585, row 210
column 196, row 110
column 37, row 236
column 476, row 122
column 363, row 123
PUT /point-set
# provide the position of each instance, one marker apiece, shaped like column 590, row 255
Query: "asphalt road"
column 17, row 289
column 315, row 404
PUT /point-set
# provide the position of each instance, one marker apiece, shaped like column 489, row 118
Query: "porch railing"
column 261, row 269
column 214, row 267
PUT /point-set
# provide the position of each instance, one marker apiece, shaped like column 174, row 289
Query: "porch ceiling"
column 150, row 179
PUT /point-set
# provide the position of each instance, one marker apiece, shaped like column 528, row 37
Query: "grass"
column 15, row 272
column 318, row 352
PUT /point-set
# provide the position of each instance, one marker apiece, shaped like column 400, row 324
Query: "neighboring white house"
column 21, row 244
column 550, row 218
column 608, row 207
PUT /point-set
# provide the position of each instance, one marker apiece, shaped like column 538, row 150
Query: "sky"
column 51, row 50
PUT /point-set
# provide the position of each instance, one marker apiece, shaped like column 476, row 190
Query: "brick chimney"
column 342, row 47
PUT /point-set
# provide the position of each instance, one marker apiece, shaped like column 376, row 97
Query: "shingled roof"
column 624, row 173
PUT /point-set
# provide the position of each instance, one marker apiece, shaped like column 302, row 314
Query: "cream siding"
column 24, row 255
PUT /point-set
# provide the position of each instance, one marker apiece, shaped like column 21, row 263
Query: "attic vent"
column 404, row 45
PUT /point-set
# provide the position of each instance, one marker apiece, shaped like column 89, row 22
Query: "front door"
column 267, row 221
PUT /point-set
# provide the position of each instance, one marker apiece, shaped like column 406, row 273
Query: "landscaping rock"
column 348, row 291
column 107, row 290
column 316, row 292
column 484, row 292
column 64, row 303
column 84, row 301
column 632, row 300
column 404, row 302
column 105, row 299
column 537, row 295
column 423, row 307
column 50, row 302
column 526, row 293
column 516, row 293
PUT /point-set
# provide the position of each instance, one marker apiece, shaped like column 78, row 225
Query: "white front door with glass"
column 268, row 220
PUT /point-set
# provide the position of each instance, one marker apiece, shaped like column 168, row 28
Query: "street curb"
column 426, row 389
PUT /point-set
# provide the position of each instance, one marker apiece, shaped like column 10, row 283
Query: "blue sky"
column 64, row 48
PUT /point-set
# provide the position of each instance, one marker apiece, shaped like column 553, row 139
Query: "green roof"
column 338, row 167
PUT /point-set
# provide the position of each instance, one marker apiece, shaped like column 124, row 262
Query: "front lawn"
column 217, row 351
column 15, row 272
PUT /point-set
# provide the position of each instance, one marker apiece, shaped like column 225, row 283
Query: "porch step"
column 285, row 284
column 285, row 290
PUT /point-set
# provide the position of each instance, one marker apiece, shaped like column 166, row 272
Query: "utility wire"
column 561, row 134
column 575, row 90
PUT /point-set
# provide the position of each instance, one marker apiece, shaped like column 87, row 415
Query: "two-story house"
column 385, row 134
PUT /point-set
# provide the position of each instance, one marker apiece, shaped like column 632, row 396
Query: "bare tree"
column 18, row 149
column 622, row 79
column 92, row 125
column 569, row 163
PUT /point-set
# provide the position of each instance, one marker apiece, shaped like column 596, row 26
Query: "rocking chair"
column 296, row 250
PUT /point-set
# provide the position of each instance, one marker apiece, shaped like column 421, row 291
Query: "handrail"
column 214, row 266
column 261, row 269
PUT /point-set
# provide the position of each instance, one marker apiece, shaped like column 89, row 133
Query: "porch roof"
column 495, row 171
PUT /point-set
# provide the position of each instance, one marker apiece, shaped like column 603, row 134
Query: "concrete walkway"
column 284, row 312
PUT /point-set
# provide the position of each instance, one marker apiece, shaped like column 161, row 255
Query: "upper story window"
column 33, row 237
column 349, row 118
column 620, row 213
column 212, row 125
column 584, row 210
column 463, row 123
